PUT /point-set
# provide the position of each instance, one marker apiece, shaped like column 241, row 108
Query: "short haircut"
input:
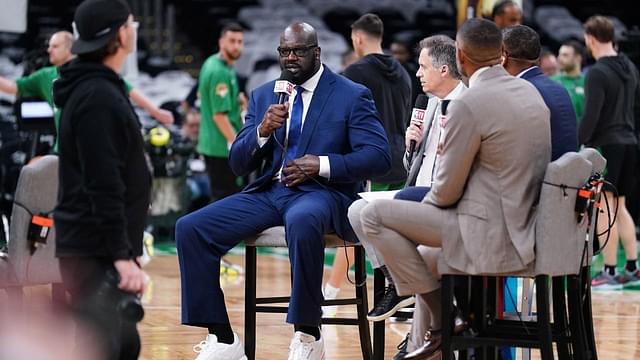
column 600, row 28
column 501, row 6
column 370, row 24
column 482, row 40
column 442, row 51
column 521, row 42
column 231, row 27
column 577, row 47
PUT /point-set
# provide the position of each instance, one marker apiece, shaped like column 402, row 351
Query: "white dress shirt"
column 429, row 163
column 309, row 87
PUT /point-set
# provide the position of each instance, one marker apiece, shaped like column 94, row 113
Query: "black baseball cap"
column 96, row 21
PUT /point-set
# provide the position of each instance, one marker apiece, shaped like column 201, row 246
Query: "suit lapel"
column 431, row 110
column 428, row 123
column 321, row 94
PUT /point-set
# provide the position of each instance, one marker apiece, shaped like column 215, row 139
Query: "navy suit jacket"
column 564, row 128
column 341, row 123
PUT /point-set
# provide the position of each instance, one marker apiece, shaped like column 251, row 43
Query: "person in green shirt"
column 39, row 84
column 570, row 58
column 220, row 111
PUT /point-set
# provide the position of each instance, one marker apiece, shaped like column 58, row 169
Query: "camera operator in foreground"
column 104, row 180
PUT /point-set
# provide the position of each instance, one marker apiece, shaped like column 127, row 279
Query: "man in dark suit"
column 312, row 154
column 521, row 53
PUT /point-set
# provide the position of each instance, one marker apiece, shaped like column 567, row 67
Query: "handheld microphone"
column 283, row 88
column 417, row 115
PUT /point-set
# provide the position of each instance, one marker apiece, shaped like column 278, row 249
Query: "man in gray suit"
column 493, row 153
column 439, row 77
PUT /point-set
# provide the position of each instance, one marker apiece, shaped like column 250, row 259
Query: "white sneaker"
column 211, row 349
column 330, row 293
column 305, row 347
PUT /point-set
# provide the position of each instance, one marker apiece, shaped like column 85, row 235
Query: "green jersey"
column 39, row 84
column 575, row 87
column 218, row 89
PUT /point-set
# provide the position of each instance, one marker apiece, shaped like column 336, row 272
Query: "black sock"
column 309, row 330
column 631, row 265
column 222, row 331
column 611, row 269
column 387, row 276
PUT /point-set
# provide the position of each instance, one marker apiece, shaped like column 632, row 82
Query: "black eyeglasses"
column 299, row 52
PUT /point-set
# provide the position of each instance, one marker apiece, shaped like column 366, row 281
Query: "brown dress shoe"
column 431, row 348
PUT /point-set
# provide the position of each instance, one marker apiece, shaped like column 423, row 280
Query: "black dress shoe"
column 402, row 348
column 389, row 303
column 460, row 324
column 430, row 349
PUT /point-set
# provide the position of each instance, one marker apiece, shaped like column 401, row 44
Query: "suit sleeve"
column 246, row 154
column 460, row 146
column 102, row 144
column 594, row 101
column 370, row 155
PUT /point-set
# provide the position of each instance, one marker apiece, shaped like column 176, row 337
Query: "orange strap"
column 42, row 221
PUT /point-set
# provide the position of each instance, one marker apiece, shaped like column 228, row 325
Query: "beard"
column 233, row 55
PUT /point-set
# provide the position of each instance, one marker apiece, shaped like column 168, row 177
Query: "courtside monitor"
column 34, row 115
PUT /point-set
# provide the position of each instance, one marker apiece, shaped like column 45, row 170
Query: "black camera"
column 109, row 297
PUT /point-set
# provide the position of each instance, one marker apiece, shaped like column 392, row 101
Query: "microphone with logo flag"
column 417, row 117
column 283, row 87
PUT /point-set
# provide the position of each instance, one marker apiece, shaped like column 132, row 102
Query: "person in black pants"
column 612, row 90
column 104, row 179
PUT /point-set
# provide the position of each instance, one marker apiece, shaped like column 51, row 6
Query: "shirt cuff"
column 325, row 167
column 261, row 140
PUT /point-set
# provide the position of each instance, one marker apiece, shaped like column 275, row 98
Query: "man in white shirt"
column 439, row 77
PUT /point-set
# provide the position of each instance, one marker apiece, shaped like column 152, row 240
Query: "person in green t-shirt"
column 39, row 84
column 570, row 58
column 220, row 111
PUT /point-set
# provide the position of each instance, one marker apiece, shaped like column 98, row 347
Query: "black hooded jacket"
column 390, row 85
column 611, row 103
column 104, row 176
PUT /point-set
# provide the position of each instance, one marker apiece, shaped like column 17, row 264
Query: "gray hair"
column 442, row 51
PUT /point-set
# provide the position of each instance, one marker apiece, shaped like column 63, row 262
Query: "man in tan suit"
column 493, row 153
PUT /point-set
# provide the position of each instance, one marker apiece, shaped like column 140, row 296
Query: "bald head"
column 302, row 33
column 299, row 52
column 59, row 48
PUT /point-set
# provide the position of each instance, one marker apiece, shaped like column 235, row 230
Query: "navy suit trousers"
column 204, row 236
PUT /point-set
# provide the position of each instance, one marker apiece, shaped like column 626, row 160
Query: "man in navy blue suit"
column 521, row 53
column 312, row 154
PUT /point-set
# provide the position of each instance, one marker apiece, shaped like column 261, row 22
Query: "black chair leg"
column 587, row 313
column 250, row 303
column 446, row 294
column 560, row 316
column 362, row 307
column 544, row 322
column 576, row 318
column 378, row 326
